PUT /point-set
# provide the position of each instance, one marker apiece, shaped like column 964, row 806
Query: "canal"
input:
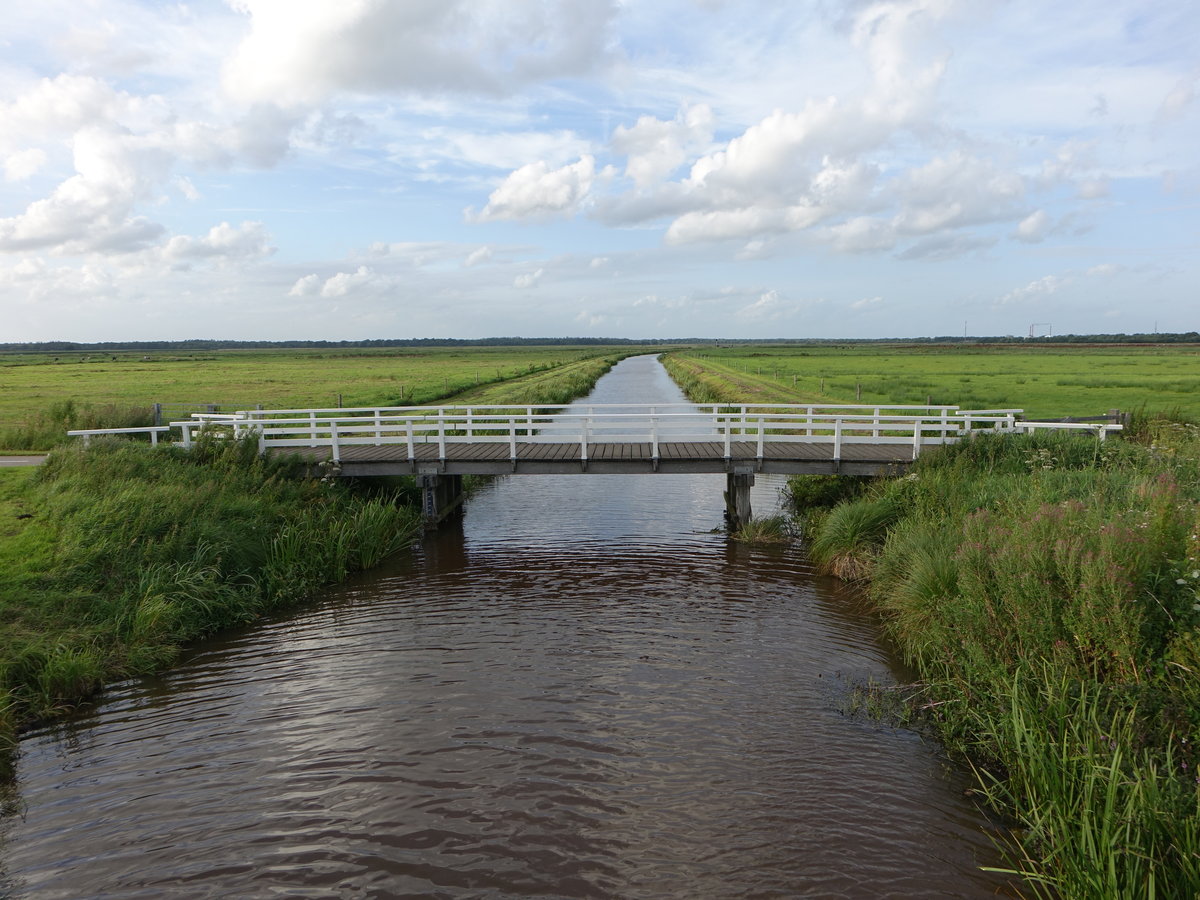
column 582, row 690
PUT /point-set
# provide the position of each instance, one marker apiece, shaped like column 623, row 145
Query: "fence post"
column 157, row 415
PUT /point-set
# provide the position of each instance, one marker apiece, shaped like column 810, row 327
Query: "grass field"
column 1045, row 381
column 277, row 378
column 119, row 390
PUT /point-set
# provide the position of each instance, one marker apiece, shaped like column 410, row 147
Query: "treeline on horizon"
column 1186, row 337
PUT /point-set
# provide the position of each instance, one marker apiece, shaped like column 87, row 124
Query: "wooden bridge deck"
column 494, row 458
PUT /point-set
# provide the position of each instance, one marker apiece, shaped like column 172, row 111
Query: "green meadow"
column 1047, row 381
column 41, row 395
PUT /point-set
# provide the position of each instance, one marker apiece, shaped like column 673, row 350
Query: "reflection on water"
column 581, row 691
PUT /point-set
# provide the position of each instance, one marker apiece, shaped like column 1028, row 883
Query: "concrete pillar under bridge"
column 441, row 496
column 737, row 497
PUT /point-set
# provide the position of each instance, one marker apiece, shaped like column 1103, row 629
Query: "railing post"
column 917, row 439
column 409, row 430
column 441, row 435
column 512, row 439
column 333, row 440
column 654, row 438
column 837, row 439
column 378, row 427
column 154, row 439
column 312, row 419
column 875, row 423
column 186, row 428
column 470, row 423
column 728, row 432
column 808, row 433
column 761, row 432
column 583, row 440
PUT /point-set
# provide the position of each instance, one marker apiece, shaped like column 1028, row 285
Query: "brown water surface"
column 580, row 692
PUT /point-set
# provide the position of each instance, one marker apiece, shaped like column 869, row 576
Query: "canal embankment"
column 1045, row 589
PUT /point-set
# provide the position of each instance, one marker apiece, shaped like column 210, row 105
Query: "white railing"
column 588, row 424
column 88, row 433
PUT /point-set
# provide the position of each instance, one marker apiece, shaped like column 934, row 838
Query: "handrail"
column 88, row 433
column 753, row 423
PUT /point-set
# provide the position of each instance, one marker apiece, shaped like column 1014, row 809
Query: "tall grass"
column 152, row 548
column 1045, row 587
column 48, row 428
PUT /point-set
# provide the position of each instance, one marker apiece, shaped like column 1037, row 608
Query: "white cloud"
column 1180, row 98
column 304, row 53
column 248, row 241
column 23, row 165
column 866, row 303
column 93, row 211
column 1033, row 228
column 339, row 285
column 955, row 191
column 656, row 148
column 535, row 191
column 1044, row 286
column 307, row 286
column 863, row 235
column 529, row 279
column 769, row 305
column 344, row 283
column 478, row 256
column 187, row 188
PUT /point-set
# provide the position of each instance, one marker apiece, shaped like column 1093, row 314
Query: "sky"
column 362, row 169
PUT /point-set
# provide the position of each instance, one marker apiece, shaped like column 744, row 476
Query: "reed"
column 1045, row 588
column 765, row 530
column 850, row 537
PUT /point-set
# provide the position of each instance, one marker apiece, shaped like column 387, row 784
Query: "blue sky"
column 274, row 169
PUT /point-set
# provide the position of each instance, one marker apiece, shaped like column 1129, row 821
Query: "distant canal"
column 584, row 691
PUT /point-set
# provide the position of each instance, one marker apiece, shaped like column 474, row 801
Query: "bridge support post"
column 441, row 495
column 737, row 498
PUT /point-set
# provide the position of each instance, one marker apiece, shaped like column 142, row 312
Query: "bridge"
column 440, row 444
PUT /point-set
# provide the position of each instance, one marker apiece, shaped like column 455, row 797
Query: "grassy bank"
column 113, row 559
column 1045, row 588
column 1050, row 380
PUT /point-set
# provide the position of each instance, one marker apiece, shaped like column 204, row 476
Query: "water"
column 582, row 692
